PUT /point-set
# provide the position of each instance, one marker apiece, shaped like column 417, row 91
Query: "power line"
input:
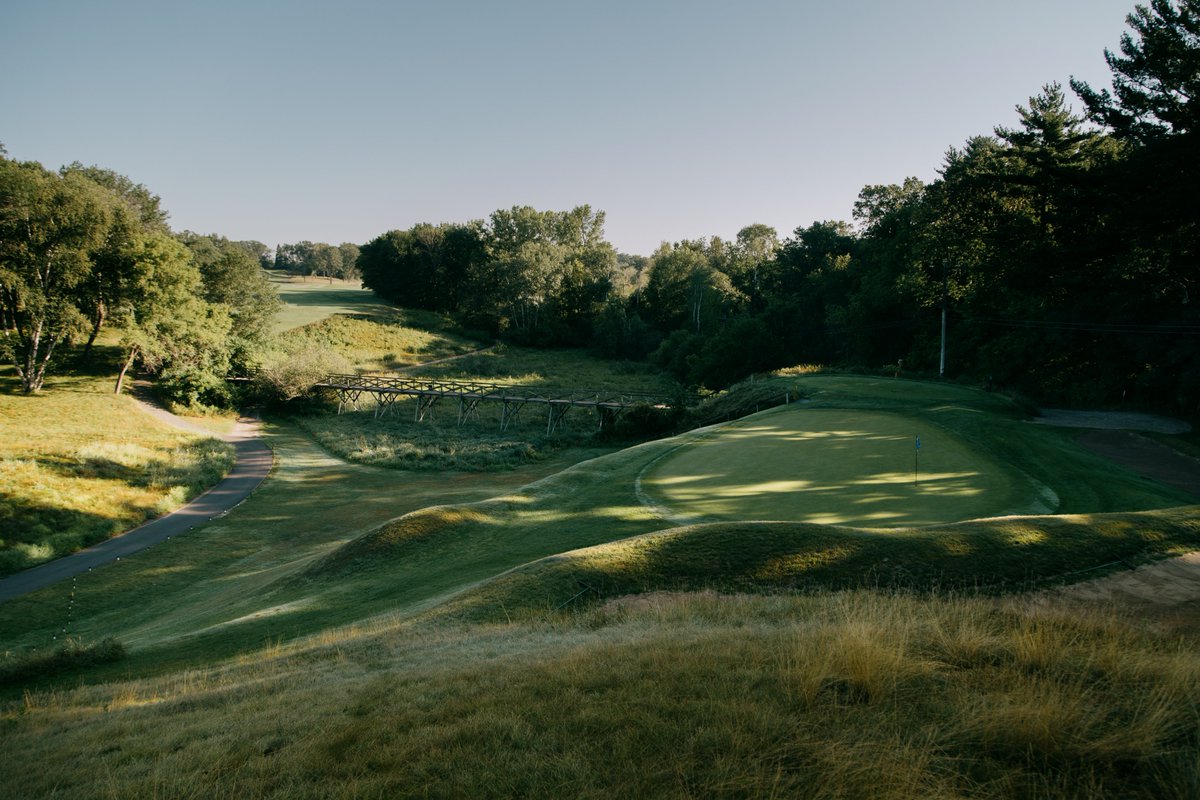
column 1176, row 328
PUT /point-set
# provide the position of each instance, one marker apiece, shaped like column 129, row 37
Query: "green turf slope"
column 989, row 555
column 438, row 553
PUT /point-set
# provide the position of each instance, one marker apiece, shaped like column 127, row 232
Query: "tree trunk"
column 125, row 368
column 29, row 370
column 97, row 322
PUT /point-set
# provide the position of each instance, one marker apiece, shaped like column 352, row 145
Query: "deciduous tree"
column 49, row 227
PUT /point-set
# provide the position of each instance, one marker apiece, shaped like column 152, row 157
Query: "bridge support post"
column 467, row 407
column 509, row 412
column 425, row 406
column 557, row 412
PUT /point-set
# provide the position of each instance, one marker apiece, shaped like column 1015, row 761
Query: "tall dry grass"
column 839, row 695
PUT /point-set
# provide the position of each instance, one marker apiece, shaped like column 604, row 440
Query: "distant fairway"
column 309, row 302
column 838, row 467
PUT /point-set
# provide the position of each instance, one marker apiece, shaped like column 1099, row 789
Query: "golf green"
column 834, row 467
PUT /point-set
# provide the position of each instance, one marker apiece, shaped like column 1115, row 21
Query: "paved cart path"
column 253, row 464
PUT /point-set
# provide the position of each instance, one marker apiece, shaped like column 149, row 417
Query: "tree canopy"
column 1064, row 252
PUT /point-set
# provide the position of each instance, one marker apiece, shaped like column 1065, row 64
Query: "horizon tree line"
column 1064, row 251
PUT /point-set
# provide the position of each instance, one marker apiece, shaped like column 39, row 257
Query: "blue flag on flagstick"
column 918, row 442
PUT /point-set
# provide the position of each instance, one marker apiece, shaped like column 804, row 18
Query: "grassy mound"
column 837, row 467
column 375, row 343
column 1002, row 554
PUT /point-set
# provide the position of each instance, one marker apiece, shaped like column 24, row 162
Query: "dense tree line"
column 536, row 277
column 1063, row 254
column 85, row 248
column 1063, row 250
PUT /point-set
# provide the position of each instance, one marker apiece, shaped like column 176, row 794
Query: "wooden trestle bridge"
column 467, row 395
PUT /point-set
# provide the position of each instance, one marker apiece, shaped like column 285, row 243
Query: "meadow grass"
column 372, row 344
column 833, row 695
column 439, row 442
column 79, row 464
column 565, row 368
column 355, row 330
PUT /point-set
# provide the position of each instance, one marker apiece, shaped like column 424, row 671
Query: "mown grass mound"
column 589, row 503
column 438, row 551
column 836, row 466
column 990, row 555
column 833, row 695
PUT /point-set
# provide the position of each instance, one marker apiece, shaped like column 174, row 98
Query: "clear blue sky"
column 336, row 121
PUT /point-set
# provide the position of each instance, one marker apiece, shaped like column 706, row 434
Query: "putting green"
column 834, row 467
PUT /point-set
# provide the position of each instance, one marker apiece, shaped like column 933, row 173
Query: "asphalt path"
column 254, row 462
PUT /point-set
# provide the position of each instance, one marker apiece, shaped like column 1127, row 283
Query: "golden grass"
column 374, row 344
column 839, row 695
column 78, row 464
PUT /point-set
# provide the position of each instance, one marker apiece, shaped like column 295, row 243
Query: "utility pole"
column 945, row 306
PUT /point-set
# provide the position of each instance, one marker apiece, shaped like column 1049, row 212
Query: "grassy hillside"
column 991, row 556
column 841, row 695
column 79, row 464
column 308, row 300
column 352, row 631
column 228, row 586
column 308, row 551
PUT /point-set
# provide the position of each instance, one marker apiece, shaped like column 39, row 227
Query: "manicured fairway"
column 314, row 300
column 838, row 467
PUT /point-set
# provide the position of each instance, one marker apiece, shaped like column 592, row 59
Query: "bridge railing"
column 386, row 389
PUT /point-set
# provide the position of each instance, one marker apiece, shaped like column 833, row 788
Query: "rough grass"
column 563, row 368
column 829, row 696
column 438, row 443
column 78, row 464
column 372, row 343
column 71, row 654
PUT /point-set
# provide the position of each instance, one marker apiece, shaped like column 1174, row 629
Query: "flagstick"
column 917, row 463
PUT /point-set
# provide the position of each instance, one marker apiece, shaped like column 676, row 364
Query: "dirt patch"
column 1166, row 593
column 1146, row 457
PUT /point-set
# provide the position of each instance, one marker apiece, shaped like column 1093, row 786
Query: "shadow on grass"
column 35, row 533
column 988, row 556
